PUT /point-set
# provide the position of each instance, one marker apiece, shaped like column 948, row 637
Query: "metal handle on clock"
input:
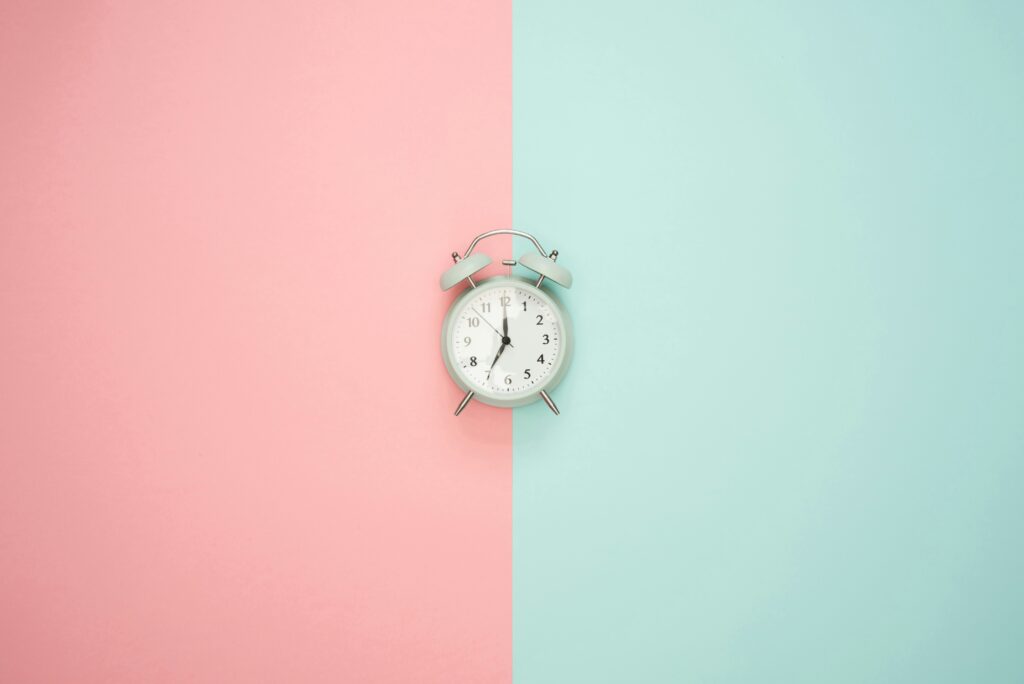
column 503, row 231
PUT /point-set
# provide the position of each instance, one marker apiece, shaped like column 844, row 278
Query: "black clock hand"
column 496, row 331
column 496, row 357
column 504, row 323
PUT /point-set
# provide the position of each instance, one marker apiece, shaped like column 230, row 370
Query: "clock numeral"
column 506, row 300
column 524, row 305
column 547, row 339
column 540, row 359
column 508, row 379
column 467, row 340
column 486, row 306
column 526, row 374
column 474, row 322
column 540, row 320
column 472, row 360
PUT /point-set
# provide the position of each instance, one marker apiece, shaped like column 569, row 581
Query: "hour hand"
column 496, row 331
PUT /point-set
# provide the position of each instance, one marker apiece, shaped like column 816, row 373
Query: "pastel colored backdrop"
column 227, row 452
column 790, row 447
column 792, row 444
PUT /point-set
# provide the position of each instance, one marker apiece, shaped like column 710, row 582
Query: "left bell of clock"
column 464, row 269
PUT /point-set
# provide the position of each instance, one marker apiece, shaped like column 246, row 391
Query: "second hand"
column 496, row 331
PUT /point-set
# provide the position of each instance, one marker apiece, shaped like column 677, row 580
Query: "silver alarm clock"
column 506, row 341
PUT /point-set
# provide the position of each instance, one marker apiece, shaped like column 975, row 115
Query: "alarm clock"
column 506, row 341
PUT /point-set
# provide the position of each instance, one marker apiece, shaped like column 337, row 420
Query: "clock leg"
column 465, row 400
column 547, row 400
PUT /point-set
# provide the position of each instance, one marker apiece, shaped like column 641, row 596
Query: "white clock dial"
column 506, row 340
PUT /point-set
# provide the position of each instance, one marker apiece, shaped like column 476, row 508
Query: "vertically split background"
column 791, row 443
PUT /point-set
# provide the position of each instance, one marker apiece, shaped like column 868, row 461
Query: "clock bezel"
column 562, row 361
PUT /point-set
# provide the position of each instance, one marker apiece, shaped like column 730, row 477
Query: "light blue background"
column 791, row 443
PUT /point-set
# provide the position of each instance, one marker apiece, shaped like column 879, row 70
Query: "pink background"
column 226, row 444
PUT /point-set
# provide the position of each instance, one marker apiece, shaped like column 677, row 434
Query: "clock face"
column 506, row 339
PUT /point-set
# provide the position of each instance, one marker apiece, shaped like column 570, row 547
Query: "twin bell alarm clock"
column 506, row 341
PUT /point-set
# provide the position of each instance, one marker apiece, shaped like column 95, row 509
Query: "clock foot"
column 465, row 400
column 547, row 400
